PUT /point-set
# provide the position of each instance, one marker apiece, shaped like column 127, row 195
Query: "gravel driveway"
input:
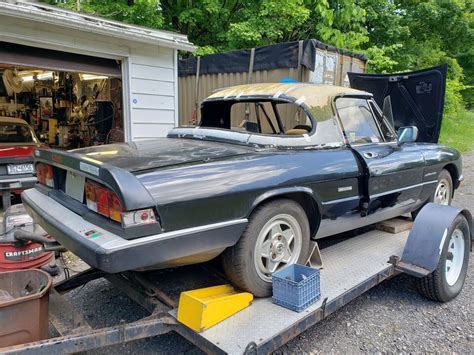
column 392, row 317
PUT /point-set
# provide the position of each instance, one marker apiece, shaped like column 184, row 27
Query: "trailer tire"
column 446, row 282
column 243, row 262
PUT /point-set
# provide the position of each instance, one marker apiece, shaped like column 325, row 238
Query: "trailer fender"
column 426, row 239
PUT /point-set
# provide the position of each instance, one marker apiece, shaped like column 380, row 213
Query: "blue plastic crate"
column 296, row 287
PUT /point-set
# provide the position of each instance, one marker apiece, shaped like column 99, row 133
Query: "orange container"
column 24, row 298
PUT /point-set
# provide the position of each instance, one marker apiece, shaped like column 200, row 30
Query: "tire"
column 443, row 285
column 247, row 263
column 445, row 182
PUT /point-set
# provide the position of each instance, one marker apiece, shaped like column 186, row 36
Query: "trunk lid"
column 17, row 151
column 417, row 97
column 159, row 153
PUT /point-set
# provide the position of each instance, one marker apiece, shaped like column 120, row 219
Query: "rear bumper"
column 111, row 253
column 17, row 183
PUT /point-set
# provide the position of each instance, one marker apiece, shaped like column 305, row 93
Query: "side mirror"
column 407, row 134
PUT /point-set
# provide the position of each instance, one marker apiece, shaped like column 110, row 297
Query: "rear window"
column 16, row 133
column 257, row 116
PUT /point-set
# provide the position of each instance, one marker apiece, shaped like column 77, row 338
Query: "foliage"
column 458, row 129
column 142, row 12
column 397, row 35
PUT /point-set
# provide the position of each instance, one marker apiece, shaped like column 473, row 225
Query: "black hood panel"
column 160, row 153
column 417, row 97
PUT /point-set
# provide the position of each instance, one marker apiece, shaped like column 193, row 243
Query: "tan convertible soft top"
column 313, row 95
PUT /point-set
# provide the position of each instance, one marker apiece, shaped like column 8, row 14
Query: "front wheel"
column 446, row 282
column 444, row 189
column 277, row 235
column 443, row 193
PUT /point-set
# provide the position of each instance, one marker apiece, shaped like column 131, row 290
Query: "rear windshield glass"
column 16, row 133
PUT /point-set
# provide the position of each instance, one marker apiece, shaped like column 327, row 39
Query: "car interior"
column 257, row 116
column 15, row 133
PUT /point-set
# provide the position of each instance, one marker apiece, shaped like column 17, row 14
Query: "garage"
column 79, row 80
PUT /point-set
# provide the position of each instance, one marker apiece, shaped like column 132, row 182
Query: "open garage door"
column 26, row 56
column 70, row 100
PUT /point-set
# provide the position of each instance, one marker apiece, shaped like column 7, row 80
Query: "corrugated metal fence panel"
column 331, row 68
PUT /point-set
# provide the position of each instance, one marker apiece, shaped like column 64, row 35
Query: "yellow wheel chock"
column 203, row 308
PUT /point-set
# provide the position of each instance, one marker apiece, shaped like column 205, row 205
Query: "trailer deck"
column 350, row 268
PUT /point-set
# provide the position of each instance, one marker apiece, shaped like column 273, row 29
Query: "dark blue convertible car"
column 270, row 167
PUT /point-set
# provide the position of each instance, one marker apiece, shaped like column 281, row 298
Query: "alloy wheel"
column 278, row 244
column 442, row 193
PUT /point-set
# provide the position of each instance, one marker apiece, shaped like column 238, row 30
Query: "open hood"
column 417, row 97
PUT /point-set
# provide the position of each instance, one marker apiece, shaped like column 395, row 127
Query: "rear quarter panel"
column 217, row 191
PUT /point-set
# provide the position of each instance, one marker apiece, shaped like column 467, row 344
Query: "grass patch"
column 457, row 131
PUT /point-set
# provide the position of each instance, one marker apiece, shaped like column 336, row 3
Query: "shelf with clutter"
column 67, row 110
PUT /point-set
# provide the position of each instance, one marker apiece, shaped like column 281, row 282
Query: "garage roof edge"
column 86, row 23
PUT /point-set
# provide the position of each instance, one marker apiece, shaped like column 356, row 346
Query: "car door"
column 417, row 97
column 393, row 178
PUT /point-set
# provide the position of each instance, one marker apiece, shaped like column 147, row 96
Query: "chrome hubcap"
column 278, row 244
column 455, row 257
column 442, row 193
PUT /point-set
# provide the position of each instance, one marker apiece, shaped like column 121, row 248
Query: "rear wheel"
column 443, row 193
column 446, row 282
column 277, row 235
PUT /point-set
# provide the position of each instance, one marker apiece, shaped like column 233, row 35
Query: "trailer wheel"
column 446, row 282
column 277, row 235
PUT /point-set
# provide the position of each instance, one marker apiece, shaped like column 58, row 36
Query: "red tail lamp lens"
column 102, row 200
column 115, row 207
column 91, row 200
column 44, row 174
column 40, row 173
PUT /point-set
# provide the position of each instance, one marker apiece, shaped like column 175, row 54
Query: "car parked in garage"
column 270, row 167
column 17, row 143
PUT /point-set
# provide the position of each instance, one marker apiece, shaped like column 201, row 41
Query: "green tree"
column 140, row 12
column 397, row 35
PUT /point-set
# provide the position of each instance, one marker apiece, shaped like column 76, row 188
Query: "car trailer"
column 350, row 268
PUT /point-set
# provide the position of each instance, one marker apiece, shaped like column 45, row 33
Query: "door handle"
column 370, row 155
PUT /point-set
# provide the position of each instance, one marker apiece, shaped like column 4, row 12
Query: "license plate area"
column 75, row 186
column 15, row 169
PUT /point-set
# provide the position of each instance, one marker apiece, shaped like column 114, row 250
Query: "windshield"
column 16, row 133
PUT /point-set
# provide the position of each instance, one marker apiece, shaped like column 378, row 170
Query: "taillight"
column 102, row 195
column 146, row 216
column 44, row 174
column 102, row 200
column 115, row 208
column 91, row 200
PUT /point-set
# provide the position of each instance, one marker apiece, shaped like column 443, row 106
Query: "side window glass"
column 384, row 125
column 327, row 130
column 358, row 121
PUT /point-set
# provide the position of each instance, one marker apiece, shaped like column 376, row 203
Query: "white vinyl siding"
column 153, row 99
